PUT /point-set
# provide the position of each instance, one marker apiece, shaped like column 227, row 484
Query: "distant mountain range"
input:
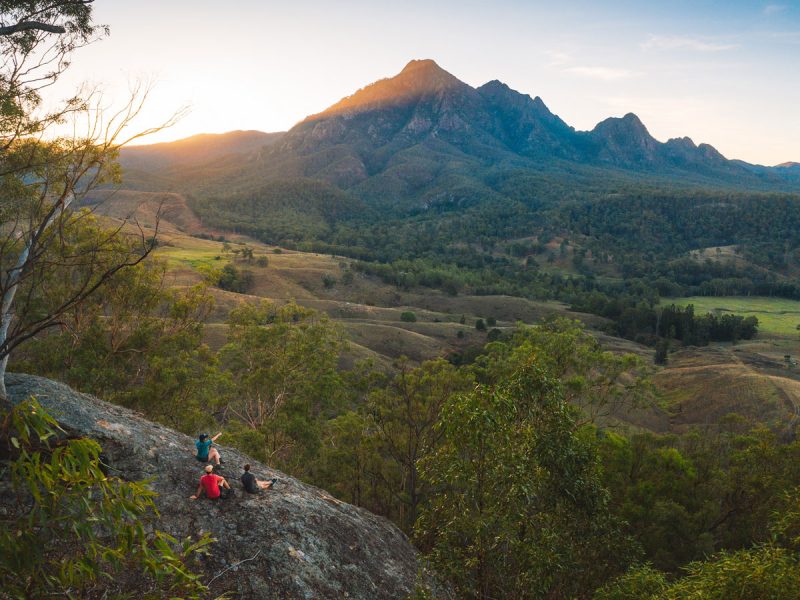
column 412, row 138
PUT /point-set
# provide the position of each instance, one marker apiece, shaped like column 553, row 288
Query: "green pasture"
column 193, row 256
column 776, row 316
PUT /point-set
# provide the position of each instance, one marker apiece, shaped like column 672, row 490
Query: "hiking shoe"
column 274, row 480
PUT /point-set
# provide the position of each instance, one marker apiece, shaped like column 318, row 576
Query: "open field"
column 776, row 316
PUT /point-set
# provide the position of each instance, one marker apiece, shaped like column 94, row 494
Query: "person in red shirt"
column 214, row 485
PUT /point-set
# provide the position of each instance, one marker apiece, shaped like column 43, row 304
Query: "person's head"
column 247, row 467
column 209, row 469
column 203, row 437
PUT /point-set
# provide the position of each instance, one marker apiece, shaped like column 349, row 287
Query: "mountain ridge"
column 405, row 140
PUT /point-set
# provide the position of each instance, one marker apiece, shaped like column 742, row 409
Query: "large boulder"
column 294, row 541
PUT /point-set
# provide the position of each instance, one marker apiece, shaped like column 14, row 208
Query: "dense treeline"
column 646, row 323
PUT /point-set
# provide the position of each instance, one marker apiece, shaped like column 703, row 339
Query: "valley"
column 697, row 388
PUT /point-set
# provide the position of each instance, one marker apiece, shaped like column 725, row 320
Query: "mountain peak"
column 422, row 64
column 629, row 124
column 417, row 79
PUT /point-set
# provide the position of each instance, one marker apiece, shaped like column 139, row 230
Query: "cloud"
column 557, row 58
column 602, row 73
column 773, row 9
column 668, row 42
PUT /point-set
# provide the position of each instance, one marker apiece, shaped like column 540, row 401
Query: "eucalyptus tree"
column 45, row 173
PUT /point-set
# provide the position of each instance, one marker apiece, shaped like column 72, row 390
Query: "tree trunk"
column 12, row 283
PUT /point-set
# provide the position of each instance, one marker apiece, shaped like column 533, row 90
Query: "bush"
column 232, row 279
column 408, row 317
column 480, row 325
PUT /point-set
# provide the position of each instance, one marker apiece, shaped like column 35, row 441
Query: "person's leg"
column 213, row 455
column 265, row 485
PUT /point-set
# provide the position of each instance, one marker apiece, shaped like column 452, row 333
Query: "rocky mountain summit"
column 294, row 541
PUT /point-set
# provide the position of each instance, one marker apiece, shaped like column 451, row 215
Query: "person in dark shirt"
column 253, row 485
column 213, row 485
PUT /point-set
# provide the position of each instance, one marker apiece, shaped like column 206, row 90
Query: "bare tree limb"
column 31, row 25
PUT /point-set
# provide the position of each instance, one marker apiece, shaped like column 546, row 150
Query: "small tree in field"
column 44, row 175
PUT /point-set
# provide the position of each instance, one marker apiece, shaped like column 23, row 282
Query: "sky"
column 725, row 73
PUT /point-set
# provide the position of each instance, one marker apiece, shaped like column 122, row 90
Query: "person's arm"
column 197, row 493
column 224, row 483
column 214, row 439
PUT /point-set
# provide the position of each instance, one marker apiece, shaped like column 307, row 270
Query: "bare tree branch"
column 29, row 25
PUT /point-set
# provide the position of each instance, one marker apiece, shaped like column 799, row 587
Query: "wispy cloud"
column 773, row 9
column 557, row 58
column 602, row 73
column 671, row 42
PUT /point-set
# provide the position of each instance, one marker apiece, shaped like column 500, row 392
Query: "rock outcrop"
column 296, row 541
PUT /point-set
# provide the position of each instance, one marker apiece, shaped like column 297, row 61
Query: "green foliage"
column 73, row 531
column 598, row 381
column 765, row 572
column 408, row 316
column 328, row 281
column 662, row 350
column 494, row 335
column 480, row 325
column 685, row 498
column 404, row 414
column 233, row 279
column 520, row 511
column 281, row 365
column 134, row 341
column 640, row 583
column 286, row 212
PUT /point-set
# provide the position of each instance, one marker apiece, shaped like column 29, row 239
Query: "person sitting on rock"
column 206, row 452
column 214, row 485
column 253, row 485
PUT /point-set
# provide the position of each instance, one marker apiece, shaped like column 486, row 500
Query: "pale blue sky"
column 725, row 73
